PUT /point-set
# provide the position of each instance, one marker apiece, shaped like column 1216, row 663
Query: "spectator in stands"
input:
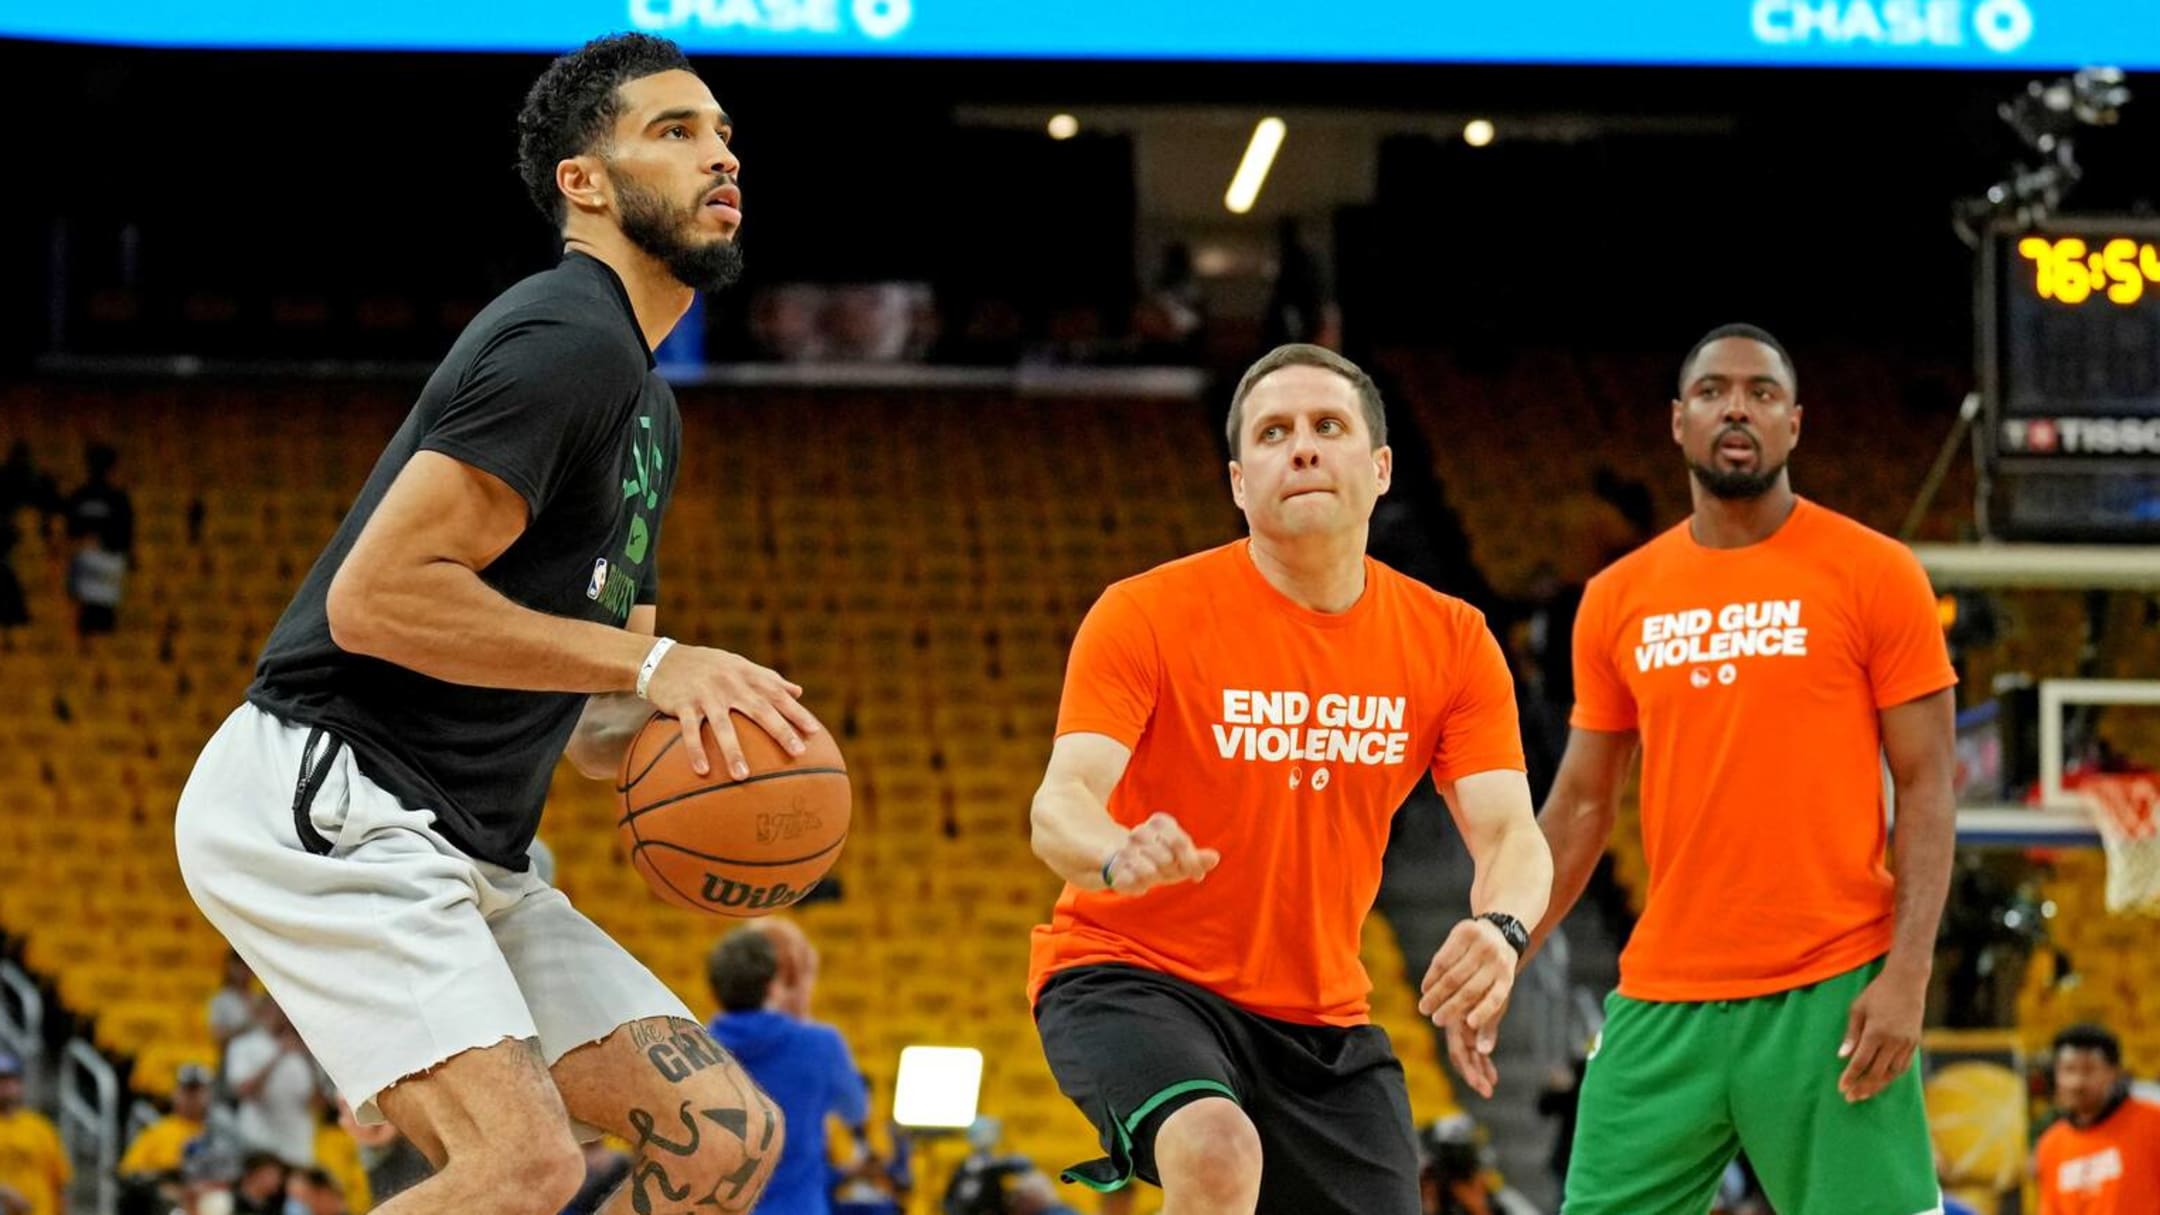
column 392, row 1164
column 34, row 1169
column 1032, row 1194
column 2102, row 1156
column 874, row 1186
column 21, row 486
column 982, row 1184
column 274, row 1082
column 1170, row 321
column 260, row 1189
column 95, row 579
column 314, row 1192
column 99, row 509
column 796, row 979
column 1560, row 1101
column 1453, row 1177
column 101, row 520
column 232, row 1009
column 150, row 1169
column 337, row 1152
column 805, row 1067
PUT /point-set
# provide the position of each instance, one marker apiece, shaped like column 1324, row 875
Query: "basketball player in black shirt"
column 358, row 829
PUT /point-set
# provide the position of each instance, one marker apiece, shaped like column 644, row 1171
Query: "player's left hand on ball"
column 1881, row 1035
column 1467, row 986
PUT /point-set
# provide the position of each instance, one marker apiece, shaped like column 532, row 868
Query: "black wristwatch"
column 1509, row 927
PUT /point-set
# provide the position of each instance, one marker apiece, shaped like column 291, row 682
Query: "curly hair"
column 574, row 105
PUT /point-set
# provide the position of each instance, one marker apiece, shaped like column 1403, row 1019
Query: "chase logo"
column 599, row 578
column 2002, row 26
column 873, row 19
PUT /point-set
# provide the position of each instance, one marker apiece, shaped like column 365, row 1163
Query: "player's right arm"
column 1112, row 684
column 1074, row 834
column 410, row 593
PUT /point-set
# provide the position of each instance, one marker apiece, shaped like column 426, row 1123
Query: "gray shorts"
column 389, row 948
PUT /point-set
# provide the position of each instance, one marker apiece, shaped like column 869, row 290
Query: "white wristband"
column 652, row 663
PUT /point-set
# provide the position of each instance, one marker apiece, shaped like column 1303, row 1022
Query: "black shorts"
column 1131, row 1046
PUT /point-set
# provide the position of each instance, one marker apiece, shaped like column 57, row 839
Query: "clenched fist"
column 1157, row 853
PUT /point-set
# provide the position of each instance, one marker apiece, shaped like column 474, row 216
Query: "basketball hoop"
column 2126, row 809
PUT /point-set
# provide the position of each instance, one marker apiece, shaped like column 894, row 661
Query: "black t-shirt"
column 551, row 389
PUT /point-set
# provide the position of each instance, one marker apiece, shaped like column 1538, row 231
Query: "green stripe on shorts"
column 1116, row 1172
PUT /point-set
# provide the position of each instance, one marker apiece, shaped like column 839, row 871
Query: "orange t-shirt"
column 1755, row 676
column 1286, row 738
column 2109, row 1168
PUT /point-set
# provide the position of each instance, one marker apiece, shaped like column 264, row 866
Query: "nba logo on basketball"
column 785, row 825
column 599, row 578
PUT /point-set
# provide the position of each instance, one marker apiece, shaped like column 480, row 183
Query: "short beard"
column 1736, row 485
column 658, row 229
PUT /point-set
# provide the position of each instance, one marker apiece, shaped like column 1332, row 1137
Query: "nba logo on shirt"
column 599, row 578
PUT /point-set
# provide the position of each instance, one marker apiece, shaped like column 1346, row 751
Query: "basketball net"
column 2126, row 809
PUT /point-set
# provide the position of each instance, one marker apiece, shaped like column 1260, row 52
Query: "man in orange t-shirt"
column 1238, row 728
column 1766, row 656
column 2103, row 1156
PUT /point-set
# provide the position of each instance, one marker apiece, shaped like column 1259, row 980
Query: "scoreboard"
column 2070, row 381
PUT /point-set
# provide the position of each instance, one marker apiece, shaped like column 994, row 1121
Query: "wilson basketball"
column 740, row 848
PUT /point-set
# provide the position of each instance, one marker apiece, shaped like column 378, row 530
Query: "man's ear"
column 583, row 181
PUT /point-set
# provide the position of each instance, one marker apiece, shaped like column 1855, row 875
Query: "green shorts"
column 1675, row 1090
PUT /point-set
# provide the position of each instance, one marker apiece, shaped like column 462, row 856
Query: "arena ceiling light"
column 1478, row 132
column 1267, row 137
column 1063, row 126
column 938, row 1087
